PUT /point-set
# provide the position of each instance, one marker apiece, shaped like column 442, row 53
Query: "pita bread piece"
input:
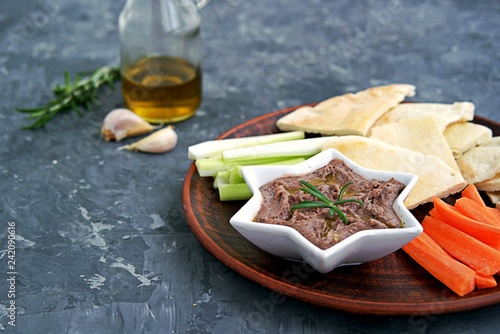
column 480, row 163
column 490, row 185
column 435, row 178
column 421, row 134
column 462, row 136
column 445, row 113
column 494, row 197
column 346, row 114
column 494, row 141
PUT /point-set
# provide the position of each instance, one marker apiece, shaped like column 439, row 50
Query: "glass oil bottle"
column 160, row 52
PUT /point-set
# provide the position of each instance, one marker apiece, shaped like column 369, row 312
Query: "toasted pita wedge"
column 346, row 114
column 494, row 141
column 492, row 184
column 494, row 197
column 480, row 163
column 435, row 178
column 421, row 134
column 444, row 113
column 462, row 136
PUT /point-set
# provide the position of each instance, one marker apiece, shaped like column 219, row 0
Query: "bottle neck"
column 160, row 28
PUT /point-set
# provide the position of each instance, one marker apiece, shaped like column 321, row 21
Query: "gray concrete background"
column 102, row 243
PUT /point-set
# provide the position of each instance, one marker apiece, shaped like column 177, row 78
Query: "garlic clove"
column 161, row 141
column 121, row 123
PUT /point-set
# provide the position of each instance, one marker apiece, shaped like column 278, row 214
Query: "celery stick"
column 210, row 166
column 291, row 161
column 214, row 147
column 285, row 150
column 221, row 177
column 235, row 175
column 234, row 192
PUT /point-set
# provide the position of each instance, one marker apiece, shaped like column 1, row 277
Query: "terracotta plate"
column 394, row 285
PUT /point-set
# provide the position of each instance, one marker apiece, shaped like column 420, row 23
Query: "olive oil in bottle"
column 160, row 56
column 162, row 89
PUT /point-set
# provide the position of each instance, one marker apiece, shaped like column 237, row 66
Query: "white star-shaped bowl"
column 286, row 242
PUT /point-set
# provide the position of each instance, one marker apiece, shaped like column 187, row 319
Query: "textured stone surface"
column 102, row 244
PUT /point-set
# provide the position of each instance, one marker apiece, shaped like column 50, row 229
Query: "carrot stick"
column 476, row 211
column 424, row 237
column 471, row 192
column 455, row 275
column 487, row 234
column 470, row 251
column 485, row 281
column 495, row 212
column 436, row 214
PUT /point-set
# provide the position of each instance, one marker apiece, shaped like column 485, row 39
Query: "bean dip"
column 316, row 224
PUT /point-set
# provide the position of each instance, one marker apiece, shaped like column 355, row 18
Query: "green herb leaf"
column 325, row 202
column 70, row 96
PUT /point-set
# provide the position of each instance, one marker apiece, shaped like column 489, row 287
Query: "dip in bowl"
column 325, row 241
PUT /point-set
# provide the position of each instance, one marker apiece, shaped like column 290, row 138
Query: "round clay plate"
column 393, row 285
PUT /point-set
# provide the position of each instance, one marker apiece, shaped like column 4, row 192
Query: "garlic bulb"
column 161, row 141
column 121, row 123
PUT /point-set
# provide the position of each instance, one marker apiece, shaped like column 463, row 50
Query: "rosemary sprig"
column 71, row 95
column 325, row 201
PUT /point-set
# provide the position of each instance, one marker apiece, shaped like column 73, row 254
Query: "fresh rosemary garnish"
column 325, row 201
column 71, row 95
